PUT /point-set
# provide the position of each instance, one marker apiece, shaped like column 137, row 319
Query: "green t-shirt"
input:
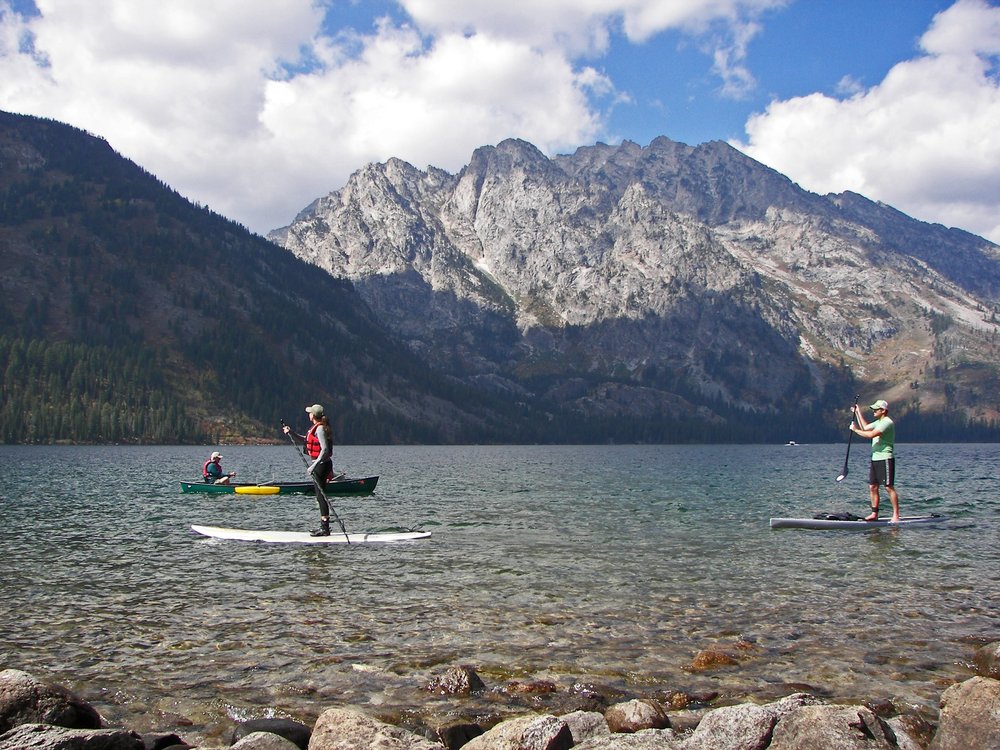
column 884, row 445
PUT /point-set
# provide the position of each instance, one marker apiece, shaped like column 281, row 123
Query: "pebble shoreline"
column 41, row 716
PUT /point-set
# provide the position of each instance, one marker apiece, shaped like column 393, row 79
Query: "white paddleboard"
column 824, row 523
column 303, row 537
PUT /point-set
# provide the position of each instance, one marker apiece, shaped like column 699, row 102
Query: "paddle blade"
column 847, row 459
column 850, row 437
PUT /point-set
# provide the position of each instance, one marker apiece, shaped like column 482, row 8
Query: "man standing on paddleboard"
column 882, row 432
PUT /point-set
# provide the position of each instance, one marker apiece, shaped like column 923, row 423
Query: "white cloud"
column 924, row 140
column 216, row 98
column 249, row 107
column 580, row 24
column 175, row 86
column 203, row 94
column 849, row 86
column 427, row 106
column 585, row 27
column 737, row 80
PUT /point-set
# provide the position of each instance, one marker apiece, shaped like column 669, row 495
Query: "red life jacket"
column 204, row 471
column 313, row 448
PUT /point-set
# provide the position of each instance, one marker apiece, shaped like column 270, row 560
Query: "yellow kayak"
column 251, row 489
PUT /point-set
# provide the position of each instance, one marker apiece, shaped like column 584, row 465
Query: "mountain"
column 666, row 285
column 127, row 314
column 659, row 294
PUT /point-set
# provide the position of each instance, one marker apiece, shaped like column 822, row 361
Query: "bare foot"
column 873, row 517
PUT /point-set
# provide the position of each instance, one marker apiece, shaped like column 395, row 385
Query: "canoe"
column 830, row 523
column 339, row 487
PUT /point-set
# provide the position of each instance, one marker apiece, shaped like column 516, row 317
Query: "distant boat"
column 362, row 486
column 792, row 442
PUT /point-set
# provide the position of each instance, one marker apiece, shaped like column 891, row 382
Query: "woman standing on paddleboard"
column 319, row 446
column 882, row 432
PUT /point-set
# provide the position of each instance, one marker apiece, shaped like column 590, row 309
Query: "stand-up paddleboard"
column 303, row 537
column 834, row 523
column 250, row 489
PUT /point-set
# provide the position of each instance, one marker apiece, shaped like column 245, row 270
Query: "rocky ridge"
column 631, row 280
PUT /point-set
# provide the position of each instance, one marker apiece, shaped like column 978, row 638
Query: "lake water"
column 610, row 566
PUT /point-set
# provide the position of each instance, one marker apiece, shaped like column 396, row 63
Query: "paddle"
column 843, row 474
column 319, row 489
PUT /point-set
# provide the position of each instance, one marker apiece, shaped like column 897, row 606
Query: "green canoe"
column 360, row 486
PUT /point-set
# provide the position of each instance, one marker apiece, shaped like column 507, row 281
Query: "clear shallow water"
column 606, row 565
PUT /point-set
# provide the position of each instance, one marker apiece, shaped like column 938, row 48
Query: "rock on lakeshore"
column 636, row 715
column 970, row 716
column 527, row 733
column 25, row 700
column 969, row 720
column 341, row 729
column 296, row 733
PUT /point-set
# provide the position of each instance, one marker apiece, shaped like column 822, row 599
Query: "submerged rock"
column 26, row 700
column 711, row 658
column 987, row 660
column 457, row 681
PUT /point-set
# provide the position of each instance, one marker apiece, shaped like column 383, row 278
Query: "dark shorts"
column 883, row 472
column 323, row 471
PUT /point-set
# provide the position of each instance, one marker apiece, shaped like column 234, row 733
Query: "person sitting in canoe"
column 212, row 470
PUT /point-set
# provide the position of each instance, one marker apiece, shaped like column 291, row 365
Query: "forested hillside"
column 60, row 391
column 129, row 314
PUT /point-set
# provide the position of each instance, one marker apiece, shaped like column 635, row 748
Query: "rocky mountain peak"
column 691, row 275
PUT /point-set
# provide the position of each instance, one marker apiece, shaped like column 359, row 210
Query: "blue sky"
column 800, row 49
column 256, row 108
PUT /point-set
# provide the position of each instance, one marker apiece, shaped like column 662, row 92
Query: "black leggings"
column 322, row 473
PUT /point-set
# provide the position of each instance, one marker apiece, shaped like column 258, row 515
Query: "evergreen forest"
column 56, row 392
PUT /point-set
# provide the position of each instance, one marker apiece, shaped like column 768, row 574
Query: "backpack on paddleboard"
column 838, row 517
